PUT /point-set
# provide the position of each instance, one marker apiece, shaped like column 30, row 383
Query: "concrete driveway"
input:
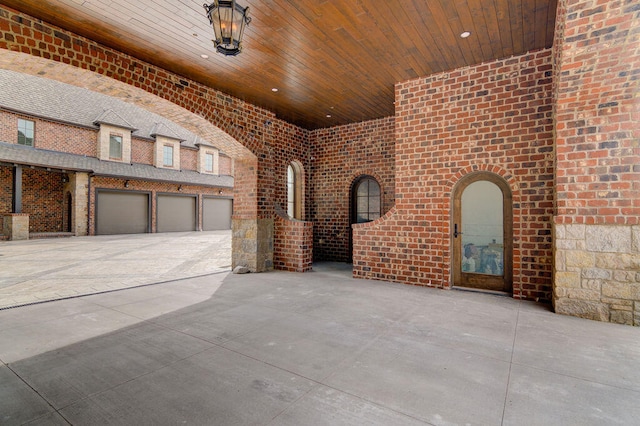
column 50, row 269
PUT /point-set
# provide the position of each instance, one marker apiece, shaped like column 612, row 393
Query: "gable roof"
column 160, row 129
column 112, row 118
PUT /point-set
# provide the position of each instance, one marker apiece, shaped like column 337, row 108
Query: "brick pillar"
column 597, row 122
column 252, row 235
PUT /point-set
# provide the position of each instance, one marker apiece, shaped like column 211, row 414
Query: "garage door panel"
column 122, row 213
column 216, row 214
column 176, row 213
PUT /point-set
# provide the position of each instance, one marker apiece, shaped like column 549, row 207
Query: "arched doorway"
column 482, row 233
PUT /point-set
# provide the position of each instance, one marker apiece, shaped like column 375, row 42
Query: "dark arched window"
column 366, row 200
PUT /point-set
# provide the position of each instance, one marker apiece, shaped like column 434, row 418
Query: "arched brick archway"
column 245, row 132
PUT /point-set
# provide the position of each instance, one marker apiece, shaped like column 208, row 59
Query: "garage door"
column 216, row 214
column 176, row 213
column 122, row 213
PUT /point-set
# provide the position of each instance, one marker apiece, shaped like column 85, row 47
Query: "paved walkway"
column 49, row 269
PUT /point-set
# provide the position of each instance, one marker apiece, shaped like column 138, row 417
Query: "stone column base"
column 597, row 272
column 16, row 226
column 252, row 244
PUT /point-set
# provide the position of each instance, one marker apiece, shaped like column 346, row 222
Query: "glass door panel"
column 482, row 225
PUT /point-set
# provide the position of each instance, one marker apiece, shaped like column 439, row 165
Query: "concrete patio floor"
column 318, row 348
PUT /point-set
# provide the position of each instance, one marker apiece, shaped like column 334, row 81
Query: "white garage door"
column 176, row 213
column 216, row 214
column 122, row 212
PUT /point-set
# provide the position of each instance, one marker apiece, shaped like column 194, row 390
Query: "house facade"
column 73, row 162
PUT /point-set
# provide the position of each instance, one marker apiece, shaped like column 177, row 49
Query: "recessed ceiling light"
column 465, row 34
column 275, row 89
column 328, row 115
column 204, row 56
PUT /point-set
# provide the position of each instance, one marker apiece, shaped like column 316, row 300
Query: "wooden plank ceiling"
column 333, row 61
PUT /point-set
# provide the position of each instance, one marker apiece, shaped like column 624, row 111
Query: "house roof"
column 57, row 101
column 23, row 155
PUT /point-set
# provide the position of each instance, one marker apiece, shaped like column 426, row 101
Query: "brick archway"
column 243, row 131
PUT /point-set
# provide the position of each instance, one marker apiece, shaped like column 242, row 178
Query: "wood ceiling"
column 337, row 58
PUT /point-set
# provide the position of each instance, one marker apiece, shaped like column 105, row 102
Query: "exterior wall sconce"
column 126, row 183
column 228, row 20
column 180, row 188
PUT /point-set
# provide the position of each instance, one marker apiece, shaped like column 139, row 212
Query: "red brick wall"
column 50, row 135
column 6, row 188
column 340, row 155
column 41, row 198
column 188, row 159
column 225, row 165
column 142, row 151
column 598, row 112
column 494, row 117
column 293, row 253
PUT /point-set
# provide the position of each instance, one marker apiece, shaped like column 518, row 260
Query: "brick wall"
column 41, row 198
column 225, row 165
column 188, row 159
column 142, row 150
column 50, row 135
column 597, row 113
column 6, row 188
column 339, row 156
column 493, row 117
column 293, row 253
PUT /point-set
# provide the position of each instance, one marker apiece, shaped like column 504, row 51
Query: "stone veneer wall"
column 597, row 272
column 597, row 122
column 78, row 187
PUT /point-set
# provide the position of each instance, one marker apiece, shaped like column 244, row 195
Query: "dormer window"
column 114, row 137
column 208, row 158
column 166, row 152
column 115, row 147
column 208, row 163
column 167, row 155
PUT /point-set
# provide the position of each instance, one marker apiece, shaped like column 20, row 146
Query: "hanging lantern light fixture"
column 228, row 20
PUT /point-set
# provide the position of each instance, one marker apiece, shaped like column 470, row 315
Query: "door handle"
column 455, row 231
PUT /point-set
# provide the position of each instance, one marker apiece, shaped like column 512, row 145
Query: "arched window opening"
column 294, row 191
column 367, row 200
